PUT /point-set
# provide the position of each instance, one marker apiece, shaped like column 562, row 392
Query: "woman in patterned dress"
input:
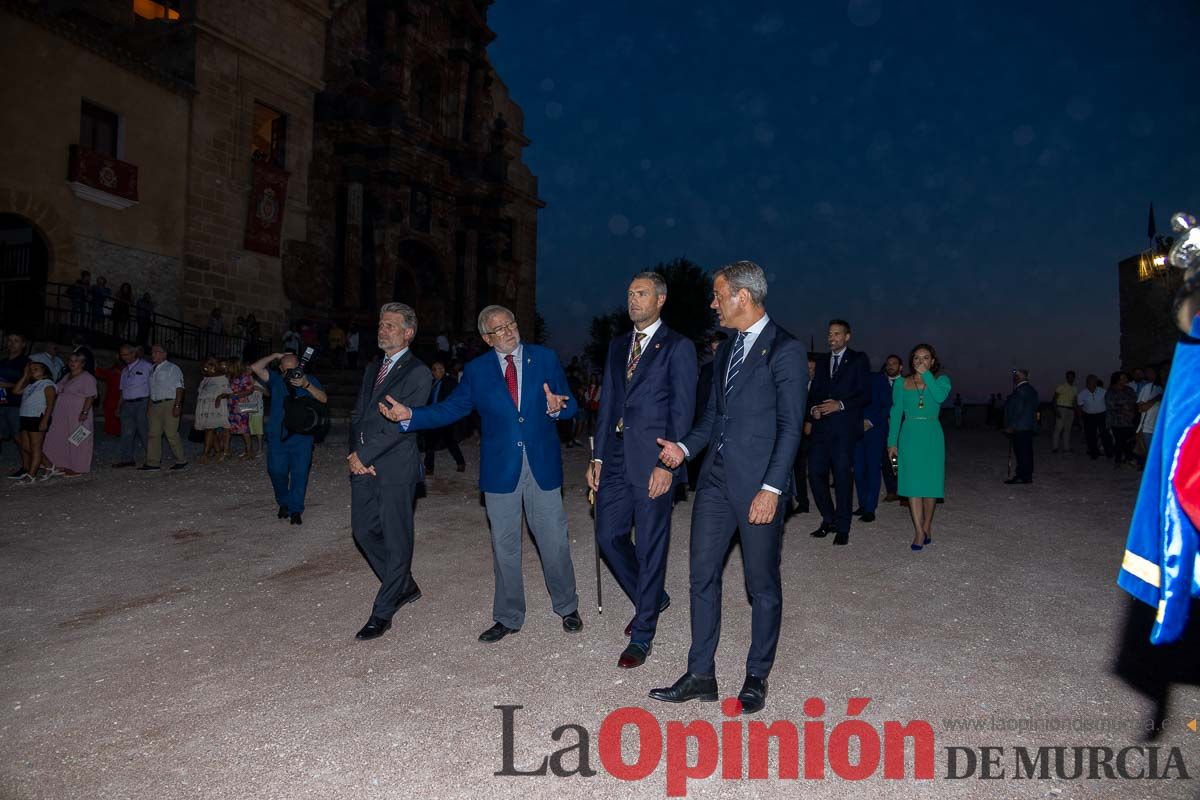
column 241, row 390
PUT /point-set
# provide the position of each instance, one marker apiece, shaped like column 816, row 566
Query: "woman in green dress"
column 915, row 439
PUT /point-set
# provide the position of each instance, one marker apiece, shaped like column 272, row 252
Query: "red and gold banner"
column 102, row 172
column 264, row 216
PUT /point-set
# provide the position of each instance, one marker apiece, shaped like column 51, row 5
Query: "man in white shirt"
column 1150, row 401
column 1091, row 405
column 166, row 407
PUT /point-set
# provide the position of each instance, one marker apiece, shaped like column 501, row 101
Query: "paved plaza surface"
column 163, row 635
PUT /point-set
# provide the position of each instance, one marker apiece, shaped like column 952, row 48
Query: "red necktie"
column 510, row 377
column 383, row 371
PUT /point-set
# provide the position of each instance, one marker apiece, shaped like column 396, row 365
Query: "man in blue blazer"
column 841, row 389
column 649, row 393
column 520, row 392
column 868, row 453
column 752, row 428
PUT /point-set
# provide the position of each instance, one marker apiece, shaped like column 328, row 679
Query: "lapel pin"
column 764, row 352
column 658, row 345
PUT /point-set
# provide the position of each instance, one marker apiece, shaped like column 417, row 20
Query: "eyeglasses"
column 503, row 329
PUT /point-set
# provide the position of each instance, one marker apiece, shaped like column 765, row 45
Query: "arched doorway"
column 24, row 266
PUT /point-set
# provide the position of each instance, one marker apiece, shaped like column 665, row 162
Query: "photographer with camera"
column 295, row 416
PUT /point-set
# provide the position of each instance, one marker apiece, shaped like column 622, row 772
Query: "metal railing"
column 70, row 313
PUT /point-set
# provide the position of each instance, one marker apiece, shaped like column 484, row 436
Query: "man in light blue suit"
column 520, row 392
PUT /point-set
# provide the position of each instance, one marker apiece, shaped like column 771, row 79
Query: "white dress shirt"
column 1092, row 402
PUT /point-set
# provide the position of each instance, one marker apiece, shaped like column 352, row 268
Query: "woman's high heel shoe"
column 915, row 547
column 928, row 539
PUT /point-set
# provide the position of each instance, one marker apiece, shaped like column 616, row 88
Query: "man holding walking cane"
column 648, row 393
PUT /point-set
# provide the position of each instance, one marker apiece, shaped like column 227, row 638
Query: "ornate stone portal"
column 417, row 190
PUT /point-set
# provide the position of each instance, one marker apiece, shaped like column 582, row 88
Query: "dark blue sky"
column 963, row 173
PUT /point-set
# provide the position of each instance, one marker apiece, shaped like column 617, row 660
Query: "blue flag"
column 1159, row 567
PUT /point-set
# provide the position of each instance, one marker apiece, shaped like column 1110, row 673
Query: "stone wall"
column 1148, row 332
column 272, row 53
column 46, row 77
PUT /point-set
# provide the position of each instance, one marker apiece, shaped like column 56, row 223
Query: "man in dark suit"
column 1020, row 422
column 520, row 391
column 892, row 368
column 648, row 394
column 444, row 385
column 840, row 391
column 385, row 467
column 752, row 428
column 868, row 453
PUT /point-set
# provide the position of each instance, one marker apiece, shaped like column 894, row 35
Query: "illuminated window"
column 167, row 10
column 269, row 138
column 98, row 129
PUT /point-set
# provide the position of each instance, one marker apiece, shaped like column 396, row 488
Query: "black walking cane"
column 595, row 540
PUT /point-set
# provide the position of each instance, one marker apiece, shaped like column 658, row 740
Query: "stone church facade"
column 417, row 188
column 286, row 158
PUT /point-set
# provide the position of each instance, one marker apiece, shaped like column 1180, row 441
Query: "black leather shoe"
column 411, row 597
column 689, row 687
column 148, row 468
column 572, row 623
column 822, row 532
column 375, row 627
column 283, row 512
column 496, row 633
column 666, row 603
column 1014, row 481
column 867, row 516
column 843, row 537
column 634, row 655
column 753, row 695
column 179, row 465
column 858, row 512
column 296, row 519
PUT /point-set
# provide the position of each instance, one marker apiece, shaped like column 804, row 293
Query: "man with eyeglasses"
column 520, row 391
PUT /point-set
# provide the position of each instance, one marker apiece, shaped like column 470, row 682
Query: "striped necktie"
column 635, row 355
column 383, row 371
column 735, row 361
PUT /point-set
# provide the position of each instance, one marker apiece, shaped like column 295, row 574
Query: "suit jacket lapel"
column 527, row 380
column 650, row 348
column 721, row 372
column 754, row 356
column 389, row 381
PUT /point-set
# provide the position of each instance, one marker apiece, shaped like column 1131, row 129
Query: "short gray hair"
column 487, row 313
column 407, row 315
column 745, row 275
column 660, row 285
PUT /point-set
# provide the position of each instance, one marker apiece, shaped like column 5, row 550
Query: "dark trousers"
column 1023, row 453
column 381, row 517
column 1123, row 445
column 836, row 455
column 868, row 463
column 1095, row 433
column 716, row 518
column 437, row 439
column 640, row 566
column 800, row 475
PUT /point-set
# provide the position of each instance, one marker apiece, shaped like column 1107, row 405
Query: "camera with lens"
column 297, row 372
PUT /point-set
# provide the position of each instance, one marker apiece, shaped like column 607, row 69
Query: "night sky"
column 963, row 173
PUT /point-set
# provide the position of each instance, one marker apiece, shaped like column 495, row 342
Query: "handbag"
column 252, row 404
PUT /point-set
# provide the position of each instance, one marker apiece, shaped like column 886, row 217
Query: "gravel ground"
column 165, row 636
